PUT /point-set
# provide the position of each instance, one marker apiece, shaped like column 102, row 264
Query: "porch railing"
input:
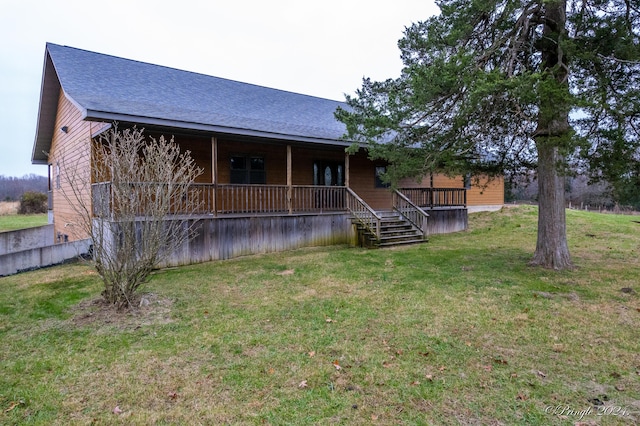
column 240, row 199
column 227, row 199
column 436, row 197
column 410, row 212
column 260, row 199
column 363, row 213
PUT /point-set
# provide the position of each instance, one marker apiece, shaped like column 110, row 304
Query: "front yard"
column 456, row 331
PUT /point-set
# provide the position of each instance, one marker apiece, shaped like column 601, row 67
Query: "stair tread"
column 403, row 226
column 398, row 230
column 400, row 238
column 394, row 244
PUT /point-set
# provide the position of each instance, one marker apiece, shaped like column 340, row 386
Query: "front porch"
column 258, row 197
column 305, row 210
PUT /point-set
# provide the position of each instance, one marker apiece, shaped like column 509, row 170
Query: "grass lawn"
column 21, row 221
column 456, row 331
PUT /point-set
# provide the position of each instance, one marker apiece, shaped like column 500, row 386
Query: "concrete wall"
column 25, row 239
column 25, row 260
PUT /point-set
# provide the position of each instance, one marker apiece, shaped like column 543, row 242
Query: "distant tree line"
column 580, row 192
column 12, row 188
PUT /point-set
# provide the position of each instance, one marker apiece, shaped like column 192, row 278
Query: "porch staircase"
column 394, row 231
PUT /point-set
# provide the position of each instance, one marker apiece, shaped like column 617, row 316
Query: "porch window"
column 248, row 169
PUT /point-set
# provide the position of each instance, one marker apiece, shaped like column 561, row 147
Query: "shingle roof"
column 106, row 87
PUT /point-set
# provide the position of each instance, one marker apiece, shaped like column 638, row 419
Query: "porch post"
column 346, row 169
column 289, row 180
column 214, row 174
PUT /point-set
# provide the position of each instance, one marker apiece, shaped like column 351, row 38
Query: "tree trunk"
column 552, row 250
column 552, row 133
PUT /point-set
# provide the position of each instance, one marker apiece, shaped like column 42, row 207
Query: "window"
column 248, row 169
column 57, row 175
column 467, row 181
column 379, row 172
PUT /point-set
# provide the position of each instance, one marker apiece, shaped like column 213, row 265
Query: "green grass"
column 20, row 221
column 456, row 331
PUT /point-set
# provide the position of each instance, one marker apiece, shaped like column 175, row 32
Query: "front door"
column 328, row 173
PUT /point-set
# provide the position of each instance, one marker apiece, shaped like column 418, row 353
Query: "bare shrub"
column 129, row 217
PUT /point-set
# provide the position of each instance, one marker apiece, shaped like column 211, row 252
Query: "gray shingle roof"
column 111, row 88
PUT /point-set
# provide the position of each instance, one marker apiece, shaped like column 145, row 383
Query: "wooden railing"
column 140, row 198
column 363, row 213
column 260, row 199
column 244, row 199
column 241, row 199
column 410, row 211
column 436, row 197
column 223, row 199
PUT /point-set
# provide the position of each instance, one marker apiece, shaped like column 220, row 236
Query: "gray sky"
column 321, row 48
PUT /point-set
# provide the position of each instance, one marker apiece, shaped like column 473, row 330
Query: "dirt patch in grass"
column 148, row 309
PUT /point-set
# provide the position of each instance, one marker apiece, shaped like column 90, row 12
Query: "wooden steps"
column 394, row 231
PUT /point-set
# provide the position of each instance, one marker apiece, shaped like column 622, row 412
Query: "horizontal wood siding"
column 200, row 151
column 483, row 191
column 489, row 193
column 71, row 153
column 363, row 182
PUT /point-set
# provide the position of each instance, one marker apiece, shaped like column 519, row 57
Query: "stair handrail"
column 363, row 213
column 410, row 211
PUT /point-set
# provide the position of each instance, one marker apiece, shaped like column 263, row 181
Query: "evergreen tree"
column 495, row 86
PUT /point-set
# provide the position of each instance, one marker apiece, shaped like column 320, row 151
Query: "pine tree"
column 502, row 86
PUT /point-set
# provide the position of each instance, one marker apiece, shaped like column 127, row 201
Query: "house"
column 276, row 175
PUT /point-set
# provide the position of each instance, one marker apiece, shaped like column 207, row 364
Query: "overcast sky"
column 321, row 48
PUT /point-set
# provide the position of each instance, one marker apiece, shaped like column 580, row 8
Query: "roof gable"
column 106, row 87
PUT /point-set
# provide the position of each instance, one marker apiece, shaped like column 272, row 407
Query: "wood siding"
column 70, row 160
column 486, row 192
column 229, row 237
column 363, row 181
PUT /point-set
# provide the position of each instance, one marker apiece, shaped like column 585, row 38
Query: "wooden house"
column 276, row 175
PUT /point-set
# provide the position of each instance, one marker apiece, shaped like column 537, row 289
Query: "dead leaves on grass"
column 13, row 405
